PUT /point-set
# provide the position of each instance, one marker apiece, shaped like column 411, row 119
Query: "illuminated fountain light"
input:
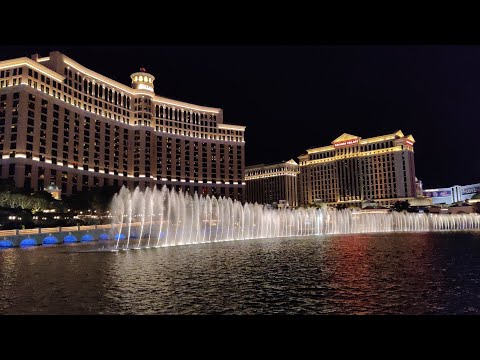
column 162, row 217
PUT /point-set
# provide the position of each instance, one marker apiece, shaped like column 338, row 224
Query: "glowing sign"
column 408, row 142
column 345, row 143
column 470, row 190
column 438, row 193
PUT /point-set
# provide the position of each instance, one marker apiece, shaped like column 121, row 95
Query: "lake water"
column 422, row 273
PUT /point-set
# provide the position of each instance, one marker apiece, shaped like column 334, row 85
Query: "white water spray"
column 178, row 218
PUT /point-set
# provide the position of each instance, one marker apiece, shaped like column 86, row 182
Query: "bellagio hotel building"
column 62, row 123
column 352, row 170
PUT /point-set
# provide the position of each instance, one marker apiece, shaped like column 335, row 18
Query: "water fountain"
column 162, row 217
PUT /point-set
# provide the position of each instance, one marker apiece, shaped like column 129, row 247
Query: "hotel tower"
column 64, row 124
column 351, row 170
column 274, row 183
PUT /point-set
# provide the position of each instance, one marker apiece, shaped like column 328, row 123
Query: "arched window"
column 140, row 78
column 161, row 111
column 171, row 113
column 176, row 114
column 157, row 111
column 96, row 90
column 100, row 91
column 110, row 95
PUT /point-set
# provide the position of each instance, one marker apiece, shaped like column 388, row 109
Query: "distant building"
column 452, row 194
column 275, row 183
column 352, row 170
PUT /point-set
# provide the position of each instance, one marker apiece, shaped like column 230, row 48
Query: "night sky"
column 292, row 98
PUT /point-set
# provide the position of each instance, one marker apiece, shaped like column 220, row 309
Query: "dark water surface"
column 345, row 274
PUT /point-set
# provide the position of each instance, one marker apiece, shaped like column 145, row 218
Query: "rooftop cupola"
column 142, row 80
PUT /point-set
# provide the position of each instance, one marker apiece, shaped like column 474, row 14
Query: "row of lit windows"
column 352, row 150
column 268, row 190
column 176, row 129
column 185, row 116
column 113, row 97
column 161, row 111
column 269, row 171
column 71, row 183
column 123, row 115
column 88, row 87
column 13, row 75
column 87, row 122
column 96, row 147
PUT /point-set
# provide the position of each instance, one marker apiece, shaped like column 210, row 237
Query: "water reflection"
column 353, row 274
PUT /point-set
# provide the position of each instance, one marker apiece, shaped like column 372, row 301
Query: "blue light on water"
column 70, row 239
column 50, row 240
column 121, row 236
column 104, row 236
column 28, row 242
column 6, row 243
column 87, row 237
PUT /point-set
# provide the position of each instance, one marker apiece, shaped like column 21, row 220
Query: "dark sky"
column 292, row 98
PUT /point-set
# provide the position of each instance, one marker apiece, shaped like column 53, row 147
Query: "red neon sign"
column 344, row 143
column 408, row 142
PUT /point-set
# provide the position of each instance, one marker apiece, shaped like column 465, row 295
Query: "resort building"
column 64, row 124
column 351, row 170
column 452, row 194
column 272, row 184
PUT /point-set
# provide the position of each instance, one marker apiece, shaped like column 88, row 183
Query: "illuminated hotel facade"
column 275, row 183
column 352, row 170
column 62, row 123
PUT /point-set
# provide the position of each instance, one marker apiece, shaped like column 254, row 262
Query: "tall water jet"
column 141, row 209
column 149, row 201
column 129, row 211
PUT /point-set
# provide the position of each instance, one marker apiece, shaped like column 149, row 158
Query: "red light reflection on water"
column 372, row 270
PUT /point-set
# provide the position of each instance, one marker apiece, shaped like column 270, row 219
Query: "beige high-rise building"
column 275, row 183
column 64, row 124
column 352, row 170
